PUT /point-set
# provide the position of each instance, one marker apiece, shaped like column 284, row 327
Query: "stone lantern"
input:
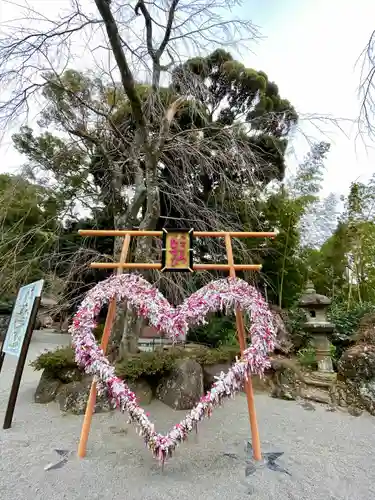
column 317, row 325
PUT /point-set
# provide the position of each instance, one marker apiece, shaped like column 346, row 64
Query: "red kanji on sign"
column 177, row 251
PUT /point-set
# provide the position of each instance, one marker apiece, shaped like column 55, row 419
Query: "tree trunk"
column 131, row 331
column 128, row 328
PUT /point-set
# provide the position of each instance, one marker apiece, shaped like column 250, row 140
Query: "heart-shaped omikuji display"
column 146, row 300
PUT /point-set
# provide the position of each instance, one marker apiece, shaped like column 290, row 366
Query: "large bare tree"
column 133, row 125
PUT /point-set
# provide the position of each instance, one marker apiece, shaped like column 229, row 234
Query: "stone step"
column 315, row 394
column 317, row 382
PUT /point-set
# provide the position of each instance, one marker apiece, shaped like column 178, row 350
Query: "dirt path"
column 329, row 454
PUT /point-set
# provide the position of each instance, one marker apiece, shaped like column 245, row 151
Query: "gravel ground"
column 328, row 454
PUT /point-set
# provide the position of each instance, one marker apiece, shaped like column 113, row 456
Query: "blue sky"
column 309, row 49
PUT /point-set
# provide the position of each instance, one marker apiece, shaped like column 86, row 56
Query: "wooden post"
column 255, row 440
column 20, row 366
column 2, row 357
column 104, row 344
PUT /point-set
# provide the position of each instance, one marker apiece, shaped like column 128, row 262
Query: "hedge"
column 144, row 364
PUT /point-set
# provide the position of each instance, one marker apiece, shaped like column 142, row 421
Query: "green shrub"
column 219, row 331
column 159, row 363
column 55, row 361
column 144, row 364
column 346, row 323
column 294, row 321
column 307, row 357
column 223, row 354
column 147, row 364
column 346, row 320
column 98, row 332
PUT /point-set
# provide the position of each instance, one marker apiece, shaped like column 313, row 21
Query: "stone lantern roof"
column 311, row 299
column 315, row 308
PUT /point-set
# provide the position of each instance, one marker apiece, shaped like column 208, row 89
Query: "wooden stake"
column 20, row 366
column 255, row 440
column 2, row 357
column 104, row 344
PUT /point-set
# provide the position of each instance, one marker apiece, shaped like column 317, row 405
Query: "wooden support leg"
column 255, row 440
column 104, row 344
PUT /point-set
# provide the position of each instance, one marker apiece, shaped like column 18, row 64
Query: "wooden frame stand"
column 230, row 266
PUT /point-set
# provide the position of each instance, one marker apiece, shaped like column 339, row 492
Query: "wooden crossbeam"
column 155, row 265
column 197, row 234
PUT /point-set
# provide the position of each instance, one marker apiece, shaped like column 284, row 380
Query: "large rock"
column 47, row 388
column 357, row 362
column 73, row 397
column 212, row 371
column 46, row 321
column 355, row 386
column 367, row 395
column 67, row 375
column 343, row 394
column 283, row 342
column 315, row 394
column 65, row 325
column 261, row 384
column 183, row 387
column 346, row 394
column 285, row 379
column 142, row 390
column 366, row 330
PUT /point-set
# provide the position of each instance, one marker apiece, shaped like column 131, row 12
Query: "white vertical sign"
column 21, row 316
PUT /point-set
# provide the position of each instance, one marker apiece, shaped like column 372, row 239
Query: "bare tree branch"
column 367, row 88
column 125, row 72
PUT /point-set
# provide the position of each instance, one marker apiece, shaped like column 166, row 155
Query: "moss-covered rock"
column 212, row 371
column 344, row 393
column 73, row 397
column 367, row 394
column 67, row 375
column 366, row 330
column 285, row 379
column 63, row 381
column 183, row 387
column 72, row 393
column 142, row 390
column 357, row 363
column 355, row 386
column 47, row 388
